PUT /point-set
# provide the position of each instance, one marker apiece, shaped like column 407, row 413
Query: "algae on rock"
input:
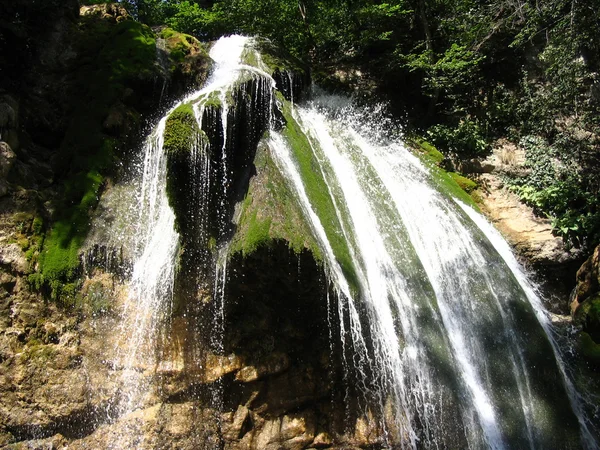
column 270, row 212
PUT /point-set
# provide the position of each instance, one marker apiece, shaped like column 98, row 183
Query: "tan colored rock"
column 218, row 366
column 366, row 431
column 322, row 440
column 240, row 422
column 275, row 363
column 269, row 434
column 113, row 12
column 12, row 255
column 530, row 235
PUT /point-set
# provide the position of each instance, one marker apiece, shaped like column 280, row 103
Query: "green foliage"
column 465, row 139
column 555, row 186
column 453, row 71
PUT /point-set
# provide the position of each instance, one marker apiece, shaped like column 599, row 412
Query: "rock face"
column 269, row 378
column 586, row 308
column 530, row 235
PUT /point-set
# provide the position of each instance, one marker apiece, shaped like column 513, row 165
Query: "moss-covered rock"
column 589, row 349
column 270, row 212
column 466, row 184
column 453, row 184
column 185, row 59
column 186, row 147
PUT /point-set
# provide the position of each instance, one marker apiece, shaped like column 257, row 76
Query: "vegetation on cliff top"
column 471, row 72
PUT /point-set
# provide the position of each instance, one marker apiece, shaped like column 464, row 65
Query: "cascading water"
column 448, row 345
column 439, row 300
column 149, row 304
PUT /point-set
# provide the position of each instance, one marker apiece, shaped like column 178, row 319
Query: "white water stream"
column 450, row 318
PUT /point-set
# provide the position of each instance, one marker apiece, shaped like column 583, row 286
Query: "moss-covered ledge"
column 270, row 212
column 452, row 184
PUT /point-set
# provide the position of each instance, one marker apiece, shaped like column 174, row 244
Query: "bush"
column 466, row 139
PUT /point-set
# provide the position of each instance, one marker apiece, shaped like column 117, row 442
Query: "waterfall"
column 436, row 291
column 443, row 341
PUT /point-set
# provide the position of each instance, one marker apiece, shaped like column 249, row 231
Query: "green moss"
column 450, row 183
column 59, row 260
column 465, row 183
column 318, row 194
column 113, row 57
column 257, row 233
column 180, row 136
column 38, row 352
column 588, row 315
column 589, row 349
column 180, row 45
column 212, row 100
column 426, row 150
column 38, row 226
column 270, row 212
column 181, row 130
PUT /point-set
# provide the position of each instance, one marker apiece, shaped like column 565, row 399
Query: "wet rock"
column 322, row 440
column 585, row 309
column 7, row 160
column 275, row 363
column 219, row 366
column 241, row 424
column 588, row 277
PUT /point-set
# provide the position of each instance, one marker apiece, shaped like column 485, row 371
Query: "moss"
column 426, row 150
column 450, row 183
column 38, row 352
column 270, row 212
column 38, row 226
column 257, row 233
column 112, row 58
column 318, row 194
column 212, row 100
column 180, row 45
column 180, row 130
column 587, row 316
column 180, row 136
column 589, row 349
column 465, row 183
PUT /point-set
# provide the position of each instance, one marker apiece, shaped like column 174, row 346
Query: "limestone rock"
column 7, row 159
column 322, row 440
column 11, row 255
column 275, row 363
column 219, row 366
column 114, row 12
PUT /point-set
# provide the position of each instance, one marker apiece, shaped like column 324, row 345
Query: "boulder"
column 7, row 159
